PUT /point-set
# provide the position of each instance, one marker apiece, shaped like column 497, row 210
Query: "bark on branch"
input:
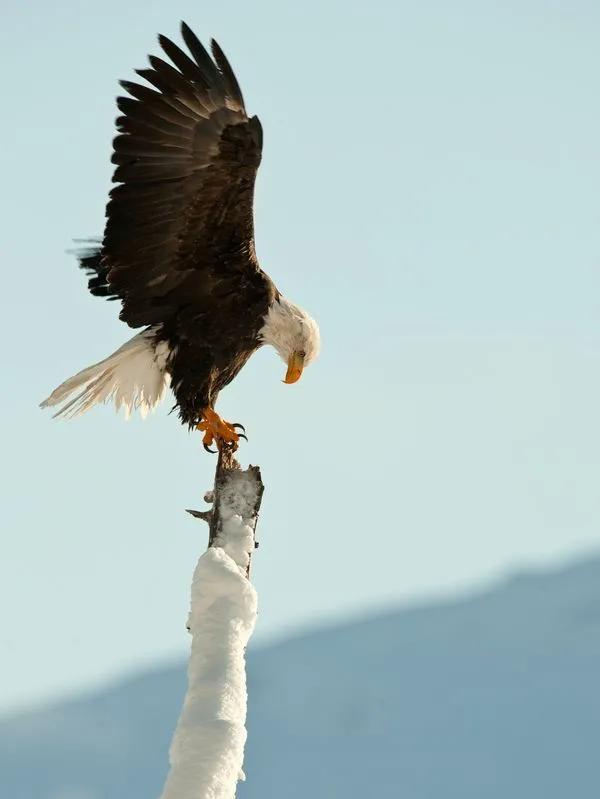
column 234, row 488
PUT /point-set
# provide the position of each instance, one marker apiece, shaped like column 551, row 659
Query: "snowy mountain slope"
column 492, row 696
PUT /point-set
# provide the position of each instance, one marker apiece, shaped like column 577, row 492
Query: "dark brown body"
column 203, row 364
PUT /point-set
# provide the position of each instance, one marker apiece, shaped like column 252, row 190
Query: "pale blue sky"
column 429, row 191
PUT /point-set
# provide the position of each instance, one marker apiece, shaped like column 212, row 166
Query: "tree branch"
column 207, row 751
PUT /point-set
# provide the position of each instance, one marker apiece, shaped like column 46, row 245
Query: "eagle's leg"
column 217, row 429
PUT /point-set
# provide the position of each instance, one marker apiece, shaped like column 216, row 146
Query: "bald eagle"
column 178, row 249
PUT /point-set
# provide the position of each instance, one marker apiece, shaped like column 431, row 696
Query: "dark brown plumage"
column 178, row 246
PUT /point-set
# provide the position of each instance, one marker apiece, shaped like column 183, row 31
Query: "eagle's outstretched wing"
column 180, row 223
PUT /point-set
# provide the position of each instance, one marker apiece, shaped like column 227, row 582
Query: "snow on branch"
column 207, row 750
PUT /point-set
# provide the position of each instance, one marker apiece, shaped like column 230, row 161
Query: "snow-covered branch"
column 207, row 750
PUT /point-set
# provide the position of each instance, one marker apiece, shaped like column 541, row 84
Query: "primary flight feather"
column 178, row 248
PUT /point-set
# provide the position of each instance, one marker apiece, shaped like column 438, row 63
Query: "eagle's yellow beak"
column 295, row 367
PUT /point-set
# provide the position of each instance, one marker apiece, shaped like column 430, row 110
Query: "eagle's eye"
column 301, row 353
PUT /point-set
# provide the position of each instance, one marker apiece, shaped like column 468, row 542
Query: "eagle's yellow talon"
column 218, row 430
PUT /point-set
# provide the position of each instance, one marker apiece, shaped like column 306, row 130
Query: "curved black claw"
column 241, row 435
column 208, row 449
column 235, row 425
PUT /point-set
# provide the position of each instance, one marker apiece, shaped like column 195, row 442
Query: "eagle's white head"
column 294, row 334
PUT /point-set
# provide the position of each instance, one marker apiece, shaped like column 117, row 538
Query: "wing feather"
column 201, row 57
column 184, row 63
column 231, row 85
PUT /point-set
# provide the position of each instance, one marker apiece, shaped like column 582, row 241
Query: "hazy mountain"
column 492, row 696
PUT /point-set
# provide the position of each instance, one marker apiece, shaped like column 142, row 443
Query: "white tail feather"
column 134, row 376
